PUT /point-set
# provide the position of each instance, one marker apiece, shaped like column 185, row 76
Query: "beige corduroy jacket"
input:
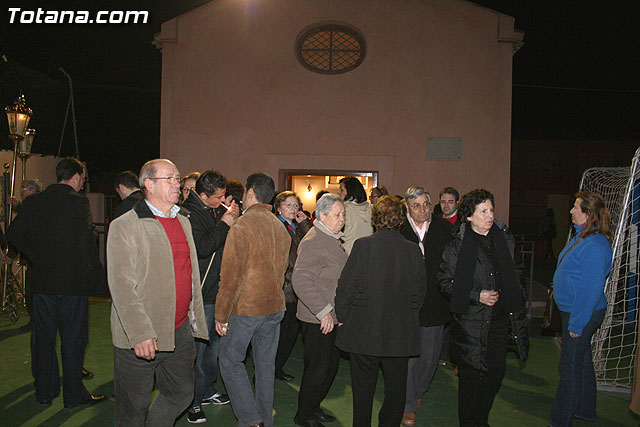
column 142, row 281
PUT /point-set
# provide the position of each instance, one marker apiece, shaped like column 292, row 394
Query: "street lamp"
column 24, row 150
column 18, row 117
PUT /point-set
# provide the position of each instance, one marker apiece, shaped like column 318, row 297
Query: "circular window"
column 330, row 49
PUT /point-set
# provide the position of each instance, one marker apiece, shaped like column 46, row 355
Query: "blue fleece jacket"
column 578, row 283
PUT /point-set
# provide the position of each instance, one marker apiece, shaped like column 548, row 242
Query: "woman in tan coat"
column 315, row 278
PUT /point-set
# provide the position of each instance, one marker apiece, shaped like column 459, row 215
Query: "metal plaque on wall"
column 444, row 148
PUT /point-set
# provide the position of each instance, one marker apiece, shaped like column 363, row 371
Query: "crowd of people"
column 200, row 269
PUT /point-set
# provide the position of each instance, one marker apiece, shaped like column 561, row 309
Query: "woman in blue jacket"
column 583, row 267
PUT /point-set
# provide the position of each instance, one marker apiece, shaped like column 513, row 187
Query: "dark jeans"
column 364, row 376
column 171, row 371
column 576, row 393
column 478, row 389
column 262, row 332
column 206, row 367
column 289, row 328
column 446, row 343
column 321, row 358
column 69, row 315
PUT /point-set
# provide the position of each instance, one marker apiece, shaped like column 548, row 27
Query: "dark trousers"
column 85, row 339
column 67, row 314
column 422, row 369
column 171, row 371
column 206, row 366
column 321, row 358
column 445, row 353
column 576, row 393
column 364, row 376
column 478, row 389
column 289, row 328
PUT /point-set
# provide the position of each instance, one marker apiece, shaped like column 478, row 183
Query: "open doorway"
column 307, row 183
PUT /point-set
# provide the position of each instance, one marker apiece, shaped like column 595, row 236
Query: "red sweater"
column 182, row 267
column 452, row 220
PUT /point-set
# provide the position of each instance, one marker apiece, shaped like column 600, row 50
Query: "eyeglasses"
column 291, row 205
column 169, row 179
column 416, row 206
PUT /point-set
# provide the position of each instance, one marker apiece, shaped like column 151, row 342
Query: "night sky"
column 576, row 77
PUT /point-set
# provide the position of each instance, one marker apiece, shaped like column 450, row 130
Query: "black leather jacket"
column 470, row 331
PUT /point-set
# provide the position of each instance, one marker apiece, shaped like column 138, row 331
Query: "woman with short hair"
column 578, row 289
column 287, row 208
column 315, row 278
column 481, row 276
column 378, row 299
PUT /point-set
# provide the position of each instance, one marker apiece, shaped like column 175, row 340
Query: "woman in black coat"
column 481, row 277
column 378, row 299
column 287, row 208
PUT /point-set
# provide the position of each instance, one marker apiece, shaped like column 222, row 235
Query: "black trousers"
column 85, row 338
column 321, row 359
column 67, row 314
column 478, row 389
column 289, row 328
column 364, row 376
column 171, row 371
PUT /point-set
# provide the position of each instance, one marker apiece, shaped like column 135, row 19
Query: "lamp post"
column 18, row 116
column 24, row 150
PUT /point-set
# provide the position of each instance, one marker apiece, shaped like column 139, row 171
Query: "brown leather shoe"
column 408, row 419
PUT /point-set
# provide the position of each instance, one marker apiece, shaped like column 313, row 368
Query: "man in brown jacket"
column 250, row 302
column 157, row 304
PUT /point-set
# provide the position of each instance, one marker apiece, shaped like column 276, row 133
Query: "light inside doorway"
column 307, row 186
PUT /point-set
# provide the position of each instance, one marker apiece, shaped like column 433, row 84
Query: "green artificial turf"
column 524, row 400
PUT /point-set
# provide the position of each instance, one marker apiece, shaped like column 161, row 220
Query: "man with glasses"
column 157, row 303
column 431, row 233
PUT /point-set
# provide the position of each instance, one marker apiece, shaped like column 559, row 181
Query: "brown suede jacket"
column 142, row 281
column 256, row 256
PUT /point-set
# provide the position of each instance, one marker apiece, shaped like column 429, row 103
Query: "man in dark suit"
column 431, row 233
column 128, row 188
column 54, row 230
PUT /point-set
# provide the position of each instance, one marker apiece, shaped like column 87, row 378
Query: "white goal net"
column 614, row 344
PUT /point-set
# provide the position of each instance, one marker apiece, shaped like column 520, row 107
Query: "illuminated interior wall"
column 300, row 185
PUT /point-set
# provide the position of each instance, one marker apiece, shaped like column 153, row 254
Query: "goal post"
column 614, row 343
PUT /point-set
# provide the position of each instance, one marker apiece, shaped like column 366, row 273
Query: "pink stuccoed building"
column 400, row 93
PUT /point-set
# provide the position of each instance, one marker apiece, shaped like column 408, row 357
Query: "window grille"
column 330, row 49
